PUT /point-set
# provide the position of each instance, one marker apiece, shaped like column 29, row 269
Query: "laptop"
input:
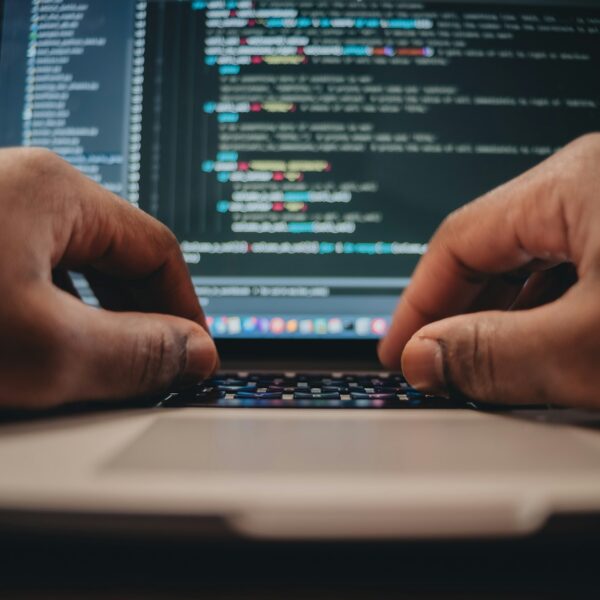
column 303, row 152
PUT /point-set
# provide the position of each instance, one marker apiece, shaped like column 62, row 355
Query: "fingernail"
column 201, row 357
column 423, row 366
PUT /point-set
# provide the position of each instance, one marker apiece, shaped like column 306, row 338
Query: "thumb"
column 497, row 357
column 119, row 355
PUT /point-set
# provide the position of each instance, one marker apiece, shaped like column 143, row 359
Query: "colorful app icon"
column 335, row 326
column 250, row 324
column 220, row 326
column 234, row 325
column 363, row 326
column 379, row 327
column 264, row 325
column 291, row 326
column 277, row 325
column 306, row 327
column 320, row 326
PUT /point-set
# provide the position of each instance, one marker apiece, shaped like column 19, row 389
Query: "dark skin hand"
column 53, row 348
column 505, row 305
column 531, row 246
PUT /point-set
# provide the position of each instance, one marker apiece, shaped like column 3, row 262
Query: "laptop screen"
column 303, row 151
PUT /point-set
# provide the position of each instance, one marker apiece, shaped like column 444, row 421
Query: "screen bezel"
column 320, row 349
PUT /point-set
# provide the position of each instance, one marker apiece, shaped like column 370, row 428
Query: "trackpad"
column 354, row 443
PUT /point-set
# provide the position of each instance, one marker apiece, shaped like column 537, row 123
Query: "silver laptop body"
column 303, row 153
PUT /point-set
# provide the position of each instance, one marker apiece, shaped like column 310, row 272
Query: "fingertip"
column 202, row 359
column 423, row 365
column 388, row 359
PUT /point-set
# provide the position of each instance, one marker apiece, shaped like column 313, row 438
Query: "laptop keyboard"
column 293, row 390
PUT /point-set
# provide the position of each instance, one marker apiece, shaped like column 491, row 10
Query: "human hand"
column 54, row 348
column 532, row 247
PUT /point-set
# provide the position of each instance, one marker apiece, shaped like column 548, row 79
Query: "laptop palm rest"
column 429, row 442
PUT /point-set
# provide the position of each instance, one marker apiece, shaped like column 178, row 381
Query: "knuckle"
column 575, row 191
column 30, row 174
column 581, row 158
column 450, row 223
column 590, row 142
column 39, row 163
column 169, row 239
column 450, row 227
column 166, row 239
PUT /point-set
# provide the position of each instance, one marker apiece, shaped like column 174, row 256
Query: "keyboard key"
column 359, row 395
column 309, row 396
column 259, row 396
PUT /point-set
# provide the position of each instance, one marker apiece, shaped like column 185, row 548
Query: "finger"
column 121, row 355
column 518, row 225
column 498, row 357
column 98, row 229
